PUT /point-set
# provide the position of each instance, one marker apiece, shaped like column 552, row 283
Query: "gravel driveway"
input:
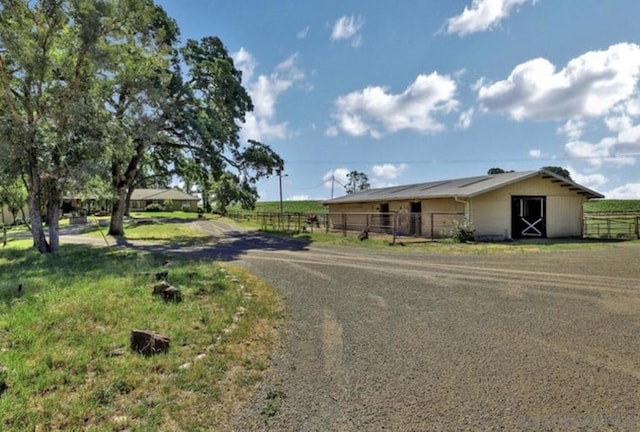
column 411, row 342
column 388, row 341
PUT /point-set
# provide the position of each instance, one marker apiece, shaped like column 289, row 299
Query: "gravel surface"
column 387, row 341
column 410, row 342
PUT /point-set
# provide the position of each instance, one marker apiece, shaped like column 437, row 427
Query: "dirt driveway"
column 387, row 341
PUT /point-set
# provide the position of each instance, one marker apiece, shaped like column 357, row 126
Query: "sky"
column 410, row 91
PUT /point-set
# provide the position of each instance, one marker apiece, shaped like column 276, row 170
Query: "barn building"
column 499, row 206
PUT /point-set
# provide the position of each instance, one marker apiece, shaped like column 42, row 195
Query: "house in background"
column 7, row 216
column 499, row 206
column 173, row 198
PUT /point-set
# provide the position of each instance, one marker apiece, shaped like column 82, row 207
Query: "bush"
column 462, row 231
column 154, row 207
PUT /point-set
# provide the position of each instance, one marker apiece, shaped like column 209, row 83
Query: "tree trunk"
column 116, row 227
column 53, row 214
column 39, row 240
column 122, row 182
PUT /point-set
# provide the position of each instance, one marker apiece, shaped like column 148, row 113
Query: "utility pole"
column 279, row 173
column 280, row 182
column 333, row 179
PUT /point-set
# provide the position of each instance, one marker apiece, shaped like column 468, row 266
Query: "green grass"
column 161, row 227
column 307, row 207
column 78, row 307
column 612, row 206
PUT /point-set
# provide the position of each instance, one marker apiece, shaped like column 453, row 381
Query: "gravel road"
column 388, row 341
column 411, row 342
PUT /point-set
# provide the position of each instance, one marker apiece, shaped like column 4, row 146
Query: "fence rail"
column 609, row 226
column 396, row 225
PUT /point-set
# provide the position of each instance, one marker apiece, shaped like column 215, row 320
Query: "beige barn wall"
column 441, row 223
column 491, row 212
column 437, row 207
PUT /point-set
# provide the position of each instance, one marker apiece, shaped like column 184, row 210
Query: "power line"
column 462, row 161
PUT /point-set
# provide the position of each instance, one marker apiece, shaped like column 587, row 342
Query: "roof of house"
column 161, row 195
column 462, row 188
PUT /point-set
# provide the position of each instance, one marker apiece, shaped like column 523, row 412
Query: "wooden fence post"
column 432, row 238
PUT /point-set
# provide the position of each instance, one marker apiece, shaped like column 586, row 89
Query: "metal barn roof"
column 462, row 188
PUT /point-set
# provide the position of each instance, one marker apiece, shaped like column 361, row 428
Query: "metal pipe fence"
column 611, row 226
column 396, row 225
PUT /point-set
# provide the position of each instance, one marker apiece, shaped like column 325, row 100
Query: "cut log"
column 149, row 343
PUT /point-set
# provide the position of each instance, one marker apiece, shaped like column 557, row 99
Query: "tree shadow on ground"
column 35, row 272
column 229, row 247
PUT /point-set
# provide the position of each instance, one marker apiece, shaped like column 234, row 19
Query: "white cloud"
column 481, row 16
column 621, row 149
column 265, row 90
column 535, row 153
column 244, row 61
column 375, row 112
column 627, row 191
column 303, row 33
column 591, row 85
column 297, row 198
column 336, row 179
column 465, row 119
column 617, row 123
column 348, row 28
column 388, row 171
column 592, row 181
column 572, row 129
column 598, row 153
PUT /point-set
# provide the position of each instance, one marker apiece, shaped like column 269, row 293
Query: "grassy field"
column 307, row 207
column 65, row 362
column 612, row 206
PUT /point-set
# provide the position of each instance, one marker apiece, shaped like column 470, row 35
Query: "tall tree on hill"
column 356, row 182
column 50, row 118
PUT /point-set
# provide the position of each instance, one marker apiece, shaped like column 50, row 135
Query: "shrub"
column 154, row 207
column 462, row 231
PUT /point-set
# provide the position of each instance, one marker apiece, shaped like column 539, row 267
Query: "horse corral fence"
column 612, row 226
column 397, row 225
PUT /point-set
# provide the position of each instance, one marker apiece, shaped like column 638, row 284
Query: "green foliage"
column 13, row 194
column 357, row 182
column 612, row 206
column 498, row 171
column 229, row 189
column 51, row 54
column 562, row 172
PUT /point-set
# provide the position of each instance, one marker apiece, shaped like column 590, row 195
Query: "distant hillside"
column 612, row 206
column 306, row 207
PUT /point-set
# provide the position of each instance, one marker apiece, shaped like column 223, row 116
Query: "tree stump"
column 168, row 292
column 149, row 343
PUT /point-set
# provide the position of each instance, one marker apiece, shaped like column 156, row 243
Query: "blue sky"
column 413, row 91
